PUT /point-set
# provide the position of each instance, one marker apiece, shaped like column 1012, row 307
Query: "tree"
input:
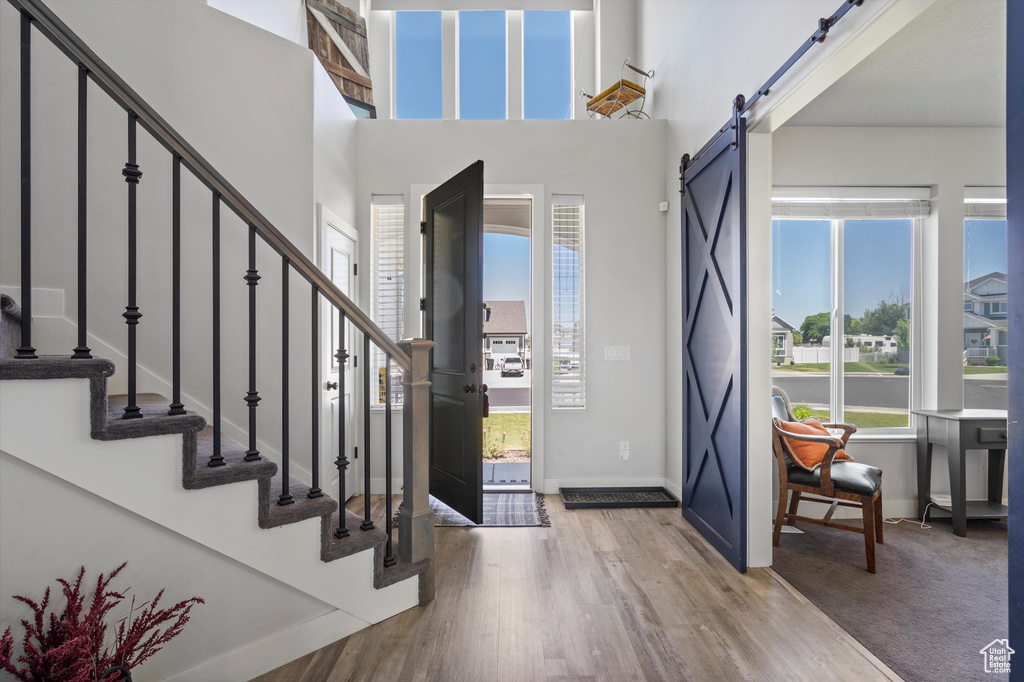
column 815, row 327
column 903, row 334
column 883, row 319
column 798, row 338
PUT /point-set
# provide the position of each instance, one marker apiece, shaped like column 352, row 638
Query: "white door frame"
column 540, row 299
column 328, row 471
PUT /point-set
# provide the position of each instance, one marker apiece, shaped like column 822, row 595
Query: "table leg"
column 924, row 466
column 957, row 480
column 996, row 464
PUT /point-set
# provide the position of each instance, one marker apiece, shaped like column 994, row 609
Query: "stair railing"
column 411, row 356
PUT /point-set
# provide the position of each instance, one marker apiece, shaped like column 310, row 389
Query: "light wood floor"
column 619, row 594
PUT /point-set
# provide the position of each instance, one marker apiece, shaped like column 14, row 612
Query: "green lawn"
column 862, row 420
column 985, row 369
column 506, row 431
column 848, row 367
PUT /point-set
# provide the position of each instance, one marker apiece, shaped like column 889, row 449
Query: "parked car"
column 512, row 366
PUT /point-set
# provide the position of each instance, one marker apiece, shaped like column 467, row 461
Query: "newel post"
column 415, row 520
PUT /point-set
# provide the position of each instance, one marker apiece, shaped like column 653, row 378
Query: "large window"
column 387, row 215
column 985, row 297
column 482, row 70
column 418, row 65
column 476, row 79
column 568, row 386
column 842, row 277
column 547, row 64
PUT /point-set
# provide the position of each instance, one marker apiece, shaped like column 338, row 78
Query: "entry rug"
column 501, row 510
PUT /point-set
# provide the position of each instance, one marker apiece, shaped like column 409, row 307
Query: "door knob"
column 469, row 388
column 332, row 385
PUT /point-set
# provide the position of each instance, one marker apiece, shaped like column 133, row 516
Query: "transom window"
column 500, row 61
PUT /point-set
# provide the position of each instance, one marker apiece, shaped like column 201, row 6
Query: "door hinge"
column 355, row 360
column 423, row 304
column 355, row 453
column 423, row 227
column 355, row 269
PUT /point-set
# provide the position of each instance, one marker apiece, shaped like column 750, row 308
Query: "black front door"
column 714, row 348
column 454, row 226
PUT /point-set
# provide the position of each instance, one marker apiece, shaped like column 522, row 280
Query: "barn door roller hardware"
column 742, row 105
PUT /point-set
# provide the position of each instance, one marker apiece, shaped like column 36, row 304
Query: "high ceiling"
column 945, row 68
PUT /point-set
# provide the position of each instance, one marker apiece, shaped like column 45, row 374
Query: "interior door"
column 453, row 286
column 714, row 300
column 338, row 253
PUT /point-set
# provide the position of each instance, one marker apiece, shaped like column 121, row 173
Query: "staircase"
column 126, row 448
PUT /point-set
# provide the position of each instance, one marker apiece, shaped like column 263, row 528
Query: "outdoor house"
column 242, row 345
column 985, row 318
column 505, row 331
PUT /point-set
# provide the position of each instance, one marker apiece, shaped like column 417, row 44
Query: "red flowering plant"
column 69, row 646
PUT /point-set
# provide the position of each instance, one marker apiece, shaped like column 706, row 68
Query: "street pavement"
column 983, row 391
column 507, row 391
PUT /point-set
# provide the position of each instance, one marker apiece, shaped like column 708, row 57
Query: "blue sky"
column 877, row 255
column 507, row 269
column 547, row 65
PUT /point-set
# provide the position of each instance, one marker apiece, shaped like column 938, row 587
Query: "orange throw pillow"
column 805, row 454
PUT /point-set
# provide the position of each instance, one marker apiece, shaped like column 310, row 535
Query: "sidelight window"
column 387, row 304
column 568, row 385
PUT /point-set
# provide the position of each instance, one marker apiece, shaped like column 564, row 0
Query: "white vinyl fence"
column 809, row 354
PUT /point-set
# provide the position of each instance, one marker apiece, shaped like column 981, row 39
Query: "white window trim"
column 837, row 282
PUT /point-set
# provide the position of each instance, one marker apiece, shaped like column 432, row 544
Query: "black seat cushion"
column 849, row 477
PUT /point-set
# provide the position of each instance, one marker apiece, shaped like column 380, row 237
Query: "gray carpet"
column 935, row 602
column 505, row 510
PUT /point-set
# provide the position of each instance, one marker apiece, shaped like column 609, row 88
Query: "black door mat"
column 616, row 498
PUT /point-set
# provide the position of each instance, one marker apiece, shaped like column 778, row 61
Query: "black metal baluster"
column 217, row 460
column 176, row 406
column 285, row 497
column 82, row 350
column 25, row 350
column 252, row 398
column 389, row 559
column 367, row 523
column 315, row 490
column 131, row 314
column 342, row 462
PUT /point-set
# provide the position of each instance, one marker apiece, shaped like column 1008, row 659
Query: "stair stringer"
column 143, row 475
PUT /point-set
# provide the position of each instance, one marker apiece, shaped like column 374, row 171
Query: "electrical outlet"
column 624, row 449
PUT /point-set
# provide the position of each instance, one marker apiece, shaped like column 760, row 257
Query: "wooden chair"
column 840, row 484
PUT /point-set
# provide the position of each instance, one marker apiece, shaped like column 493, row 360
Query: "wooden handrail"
column 71, row 45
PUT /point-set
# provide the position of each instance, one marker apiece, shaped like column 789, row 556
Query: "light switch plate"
column 616, row 353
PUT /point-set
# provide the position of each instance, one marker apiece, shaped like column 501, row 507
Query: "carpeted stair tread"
column 55, row 367
column 154, row 421
column 303, row 507
column 357, row 541
column 235, row 467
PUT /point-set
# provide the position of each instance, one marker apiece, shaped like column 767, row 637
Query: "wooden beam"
column 347, row 74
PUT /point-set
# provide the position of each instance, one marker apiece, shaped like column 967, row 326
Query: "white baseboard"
column 274, row 651
column 674, row 488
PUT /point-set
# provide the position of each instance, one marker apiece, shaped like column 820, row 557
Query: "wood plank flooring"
column 601, row 595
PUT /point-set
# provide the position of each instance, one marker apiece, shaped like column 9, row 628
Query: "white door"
column 338, row 258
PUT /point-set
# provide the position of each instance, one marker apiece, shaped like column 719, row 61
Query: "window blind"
column 388, row 284
column 568, row 386
column 981, row 209
column 859, row 203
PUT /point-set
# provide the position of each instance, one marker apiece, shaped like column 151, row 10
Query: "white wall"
column 55, row 538
column 947, row 160
column 260, row 108
column 286, row 18
column 617, row 166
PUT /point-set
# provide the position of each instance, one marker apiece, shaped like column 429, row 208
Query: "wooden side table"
column 959, row 431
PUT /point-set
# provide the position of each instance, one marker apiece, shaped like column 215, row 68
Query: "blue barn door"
column 714, row 309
